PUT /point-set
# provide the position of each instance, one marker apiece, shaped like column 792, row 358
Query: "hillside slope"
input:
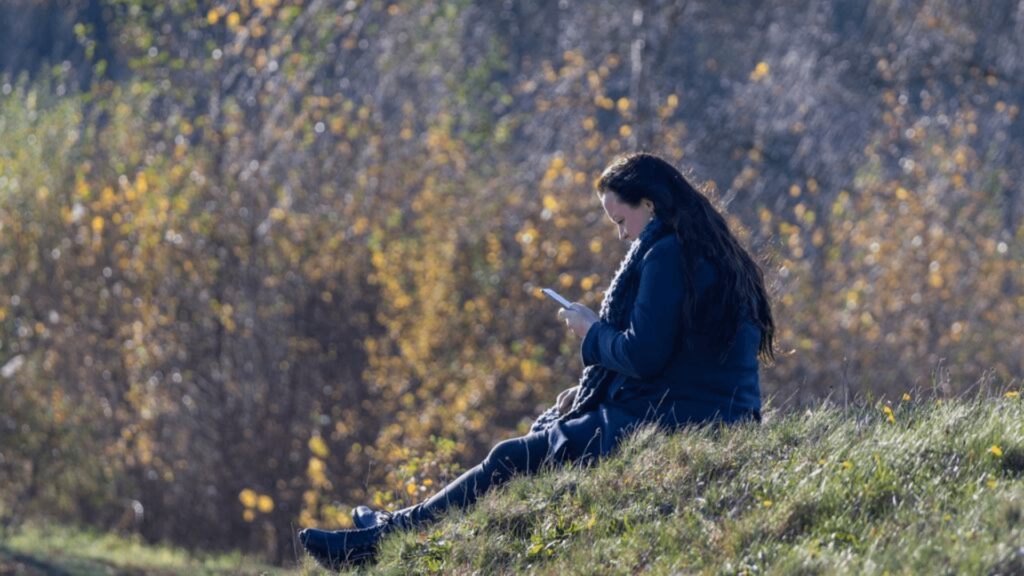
column 925, row 487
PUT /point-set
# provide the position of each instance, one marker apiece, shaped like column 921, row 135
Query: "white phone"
column 557, row 298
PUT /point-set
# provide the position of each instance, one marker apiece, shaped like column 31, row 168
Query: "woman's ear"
column 648, row 205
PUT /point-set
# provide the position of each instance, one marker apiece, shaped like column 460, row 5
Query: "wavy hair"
column 701, row 231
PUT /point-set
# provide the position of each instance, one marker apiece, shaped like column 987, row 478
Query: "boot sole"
column 332, row 559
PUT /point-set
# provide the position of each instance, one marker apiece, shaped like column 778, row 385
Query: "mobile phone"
column 557, row 298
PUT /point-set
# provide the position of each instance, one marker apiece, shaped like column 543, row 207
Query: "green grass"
column 42, row 548
column 936, row 489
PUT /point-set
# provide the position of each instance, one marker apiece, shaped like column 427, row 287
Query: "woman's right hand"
column 566, row 398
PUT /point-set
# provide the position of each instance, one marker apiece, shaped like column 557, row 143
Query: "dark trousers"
column 581, row 440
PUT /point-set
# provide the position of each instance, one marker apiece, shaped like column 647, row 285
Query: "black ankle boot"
column 332, row 549
column 407, row 519
column 364, row 517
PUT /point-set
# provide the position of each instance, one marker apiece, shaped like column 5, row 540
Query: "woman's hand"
column 579, row 318
column 566, row 398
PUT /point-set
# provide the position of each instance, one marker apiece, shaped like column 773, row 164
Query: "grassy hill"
column 914, row 486
column 47, row 549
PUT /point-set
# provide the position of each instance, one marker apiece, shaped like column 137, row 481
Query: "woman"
column 677, row 342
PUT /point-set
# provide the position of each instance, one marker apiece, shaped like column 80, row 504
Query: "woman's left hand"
column 579, row 318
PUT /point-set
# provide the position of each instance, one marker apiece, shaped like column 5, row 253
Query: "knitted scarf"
column 615, row 311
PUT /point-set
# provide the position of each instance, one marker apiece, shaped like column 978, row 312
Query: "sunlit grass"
column 52, row 548
column 911, row 487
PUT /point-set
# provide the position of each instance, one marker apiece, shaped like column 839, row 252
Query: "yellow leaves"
column 107, row 199
column 316, row 472
column 767, row 503
column 550, row 203
column 818, row 237
column 625, row 131
column 248, row 498
column 97, row 225
column 889, row 415
column 318, row 447
column 623, row 104
column 588, row 283
column 529, row 369
column 225, row 314
column 960, row 157
column 596, row 245
column 253, row 502
column 265, row 504
column 82, row 191
column 1011, row 394
column 995, row 450
column 760, row 72
column 566, row 250
column 956, row 331
column 906, row 397
column 234, row 20
column 527, row 235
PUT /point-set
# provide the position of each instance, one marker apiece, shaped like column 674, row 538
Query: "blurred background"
column 265, row 260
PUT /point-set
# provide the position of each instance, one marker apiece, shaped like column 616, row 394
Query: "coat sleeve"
column 645, row 347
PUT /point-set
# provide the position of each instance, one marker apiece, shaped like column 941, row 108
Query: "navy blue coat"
column 669, row 370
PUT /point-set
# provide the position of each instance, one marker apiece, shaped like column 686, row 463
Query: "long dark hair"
column 701, row 231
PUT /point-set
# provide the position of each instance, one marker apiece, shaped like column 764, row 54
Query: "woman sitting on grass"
column 677, row 343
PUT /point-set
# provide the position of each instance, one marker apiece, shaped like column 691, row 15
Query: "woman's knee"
column 517, row 454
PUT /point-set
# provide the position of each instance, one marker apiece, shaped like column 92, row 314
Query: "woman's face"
column 631, row 221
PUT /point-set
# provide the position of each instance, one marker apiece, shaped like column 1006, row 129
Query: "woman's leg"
column 582, row 439
column 518, row 456
column 523, row 455
column 579, row 440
